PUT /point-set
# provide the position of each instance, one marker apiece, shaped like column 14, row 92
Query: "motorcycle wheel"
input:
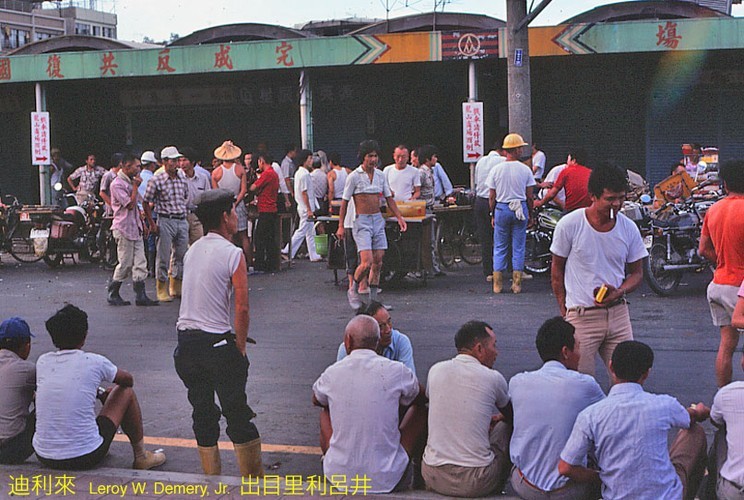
column 471, row 251
column 109, row 253
column 537, row 259
column 662, row 282
column 53, row 260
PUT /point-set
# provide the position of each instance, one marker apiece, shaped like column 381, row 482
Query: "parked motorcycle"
column 673, row 241
column 537, row 256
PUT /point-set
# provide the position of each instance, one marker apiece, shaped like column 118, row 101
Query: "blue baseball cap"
column 15, row 328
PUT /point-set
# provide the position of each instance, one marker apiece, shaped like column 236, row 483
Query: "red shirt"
column 724, row 225
column 267, row 187
column 575, row 180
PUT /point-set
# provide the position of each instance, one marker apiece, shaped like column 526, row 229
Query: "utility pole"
column 518, row 66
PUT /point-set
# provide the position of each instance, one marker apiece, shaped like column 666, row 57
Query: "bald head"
column 362, row 332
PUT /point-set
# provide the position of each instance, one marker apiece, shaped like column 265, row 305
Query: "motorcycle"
column 673, row 241
column 51, row 232
column 537, row 256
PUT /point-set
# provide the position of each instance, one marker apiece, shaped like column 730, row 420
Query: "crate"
column 411, row 208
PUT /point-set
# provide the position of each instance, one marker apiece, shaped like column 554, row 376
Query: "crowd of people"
column 552, row 433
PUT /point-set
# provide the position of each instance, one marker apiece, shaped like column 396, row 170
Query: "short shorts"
column 722, row 301
column 242, row 214
column 107, row 430
column 369, row 232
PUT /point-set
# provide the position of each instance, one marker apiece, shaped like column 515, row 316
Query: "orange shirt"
column 724, row 225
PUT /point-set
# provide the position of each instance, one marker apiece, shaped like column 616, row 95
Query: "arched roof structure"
column 243, row 32
column 651, row 9
column 72, row 43
column 433, row 21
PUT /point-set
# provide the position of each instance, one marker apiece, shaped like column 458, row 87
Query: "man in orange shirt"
column 722, row 242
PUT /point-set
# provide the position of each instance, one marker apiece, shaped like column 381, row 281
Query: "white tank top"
column 229, row 180
column 338, row 184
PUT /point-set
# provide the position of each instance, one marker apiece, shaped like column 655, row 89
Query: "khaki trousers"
column 131, row 254
column 196, row 230
column 599, row 331
column 689, row 455
column 571, row 491
column 460, row 481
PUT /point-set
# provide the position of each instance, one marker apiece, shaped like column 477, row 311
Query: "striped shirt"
column 627, row 431
column 170, row 196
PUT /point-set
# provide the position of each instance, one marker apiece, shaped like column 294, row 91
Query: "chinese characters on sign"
column 108, row 64
column 40, row 153
column 222, row 58
column 285, row 58
column 472, row 131
column 667, row 36
column 4, row 68
column 54, row 67
column 164, row 61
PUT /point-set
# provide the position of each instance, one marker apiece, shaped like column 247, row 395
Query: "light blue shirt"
column 145, row 175
column 442, row 184
column 400, row 349
column 546, row 403
column 627, row 432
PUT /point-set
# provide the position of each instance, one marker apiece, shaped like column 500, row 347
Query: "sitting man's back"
column 363, row 393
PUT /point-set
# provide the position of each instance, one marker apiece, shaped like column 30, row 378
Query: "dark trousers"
column 482, row 214
column 207, row 368
column 265, row 238
column 18, row 448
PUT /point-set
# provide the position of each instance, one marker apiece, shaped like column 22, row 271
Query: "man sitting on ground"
column 393, row 345
column 546, row 403
column 467, row 453
column 18, row 374
column 361, row 395
column 627, row 432
column 726, row 414
column 68, row 381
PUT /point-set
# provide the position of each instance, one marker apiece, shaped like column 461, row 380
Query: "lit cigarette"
column 612, row 213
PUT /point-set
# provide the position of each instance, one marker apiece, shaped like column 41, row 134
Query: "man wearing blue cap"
column 17, row 423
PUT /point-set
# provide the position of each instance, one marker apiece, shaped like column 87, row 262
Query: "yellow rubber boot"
column 517, row 282
column 175, row 287
column 162, row 289
column 249, row 458
column 210, row 460
column 498, row 281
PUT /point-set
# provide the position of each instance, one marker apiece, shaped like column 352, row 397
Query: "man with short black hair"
column 198, row 182
column 266, row 237
column 404, row 179
column 68, row 380
column 721, row 243
column 17, row 421
column 288, row 165
column 627, row 434
column 307, row 205
column 88, row 177
column 546, row 403
column 573, row 181
column 361, row 396
column 591, row 249
column 467, row 455
column 210, row 359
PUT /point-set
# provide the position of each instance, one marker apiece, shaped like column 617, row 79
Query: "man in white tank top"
column 336, row 177
column 231, row 176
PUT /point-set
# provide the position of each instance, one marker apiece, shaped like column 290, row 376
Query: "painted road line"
column 224, row 445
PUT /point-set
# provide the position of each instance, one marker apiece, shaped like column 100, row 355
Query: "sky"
column 157, row 19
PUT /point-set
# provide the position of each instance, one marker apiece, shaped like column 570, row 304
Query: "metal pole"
column 306, row 110
column 472, row 97
column 45, row 192
column 517, row 41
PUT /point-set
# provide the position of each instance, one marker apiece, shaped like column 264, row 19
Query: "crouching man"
column 68, row 435
column 361, row 395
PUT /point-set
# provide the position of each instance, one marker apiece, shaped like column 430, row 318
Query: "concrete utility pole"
column 518, row 66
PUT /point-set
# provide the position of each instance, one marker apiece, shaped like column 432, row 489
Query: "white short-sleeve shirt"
column 728, row 408
column 363, row 392
column 303, row 181
column 510, row 180
column 66, row 385
column 402, row 182
column 358, row 182
column 463, row 397
column 594, row 258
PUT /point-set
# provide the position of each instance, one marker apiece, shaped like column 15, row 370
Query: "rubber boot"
column 175, row 287
column 114, row 298
column 142, row 298
column 210, row 460
column 162, row 289
column 249, row 458
column 516, row 282
column 498, row 281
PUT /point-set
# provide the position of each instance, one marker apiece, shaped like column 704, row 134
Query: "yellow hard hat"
column 512, row 141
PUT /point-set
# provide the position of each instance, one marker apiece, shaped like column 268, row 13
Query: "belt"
column 618, row 302
column 528, row 483
column 201, row 335
column 172, row 216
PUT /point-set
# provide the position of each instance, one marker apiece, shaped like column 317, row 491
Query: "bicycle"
column 460, row 245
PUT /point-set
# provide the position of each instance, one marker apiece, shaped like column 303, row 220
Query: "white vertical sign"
column 472, row 131
column 40, row 149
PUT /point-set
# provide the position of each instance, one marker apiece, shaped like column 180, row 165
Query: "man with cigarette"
column 591, row 247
